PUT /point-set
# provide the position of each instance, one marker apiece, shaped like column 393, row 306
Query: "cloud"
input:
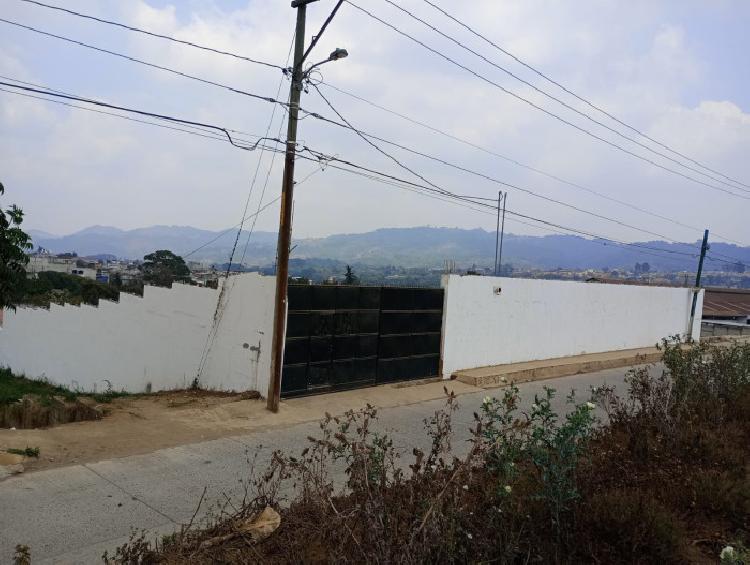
column 646, row 64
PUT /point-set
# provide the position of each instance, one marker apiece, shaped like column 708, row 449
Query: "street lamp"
column 337, row 54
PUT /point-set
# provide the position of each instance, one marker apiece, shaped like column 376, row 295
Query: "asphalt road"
column 73, row 514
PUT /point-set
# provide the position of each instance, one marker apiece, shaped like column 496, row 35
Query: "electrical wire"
column 194, row 131
column 367, row 137
column 577, row 96
column 321, row 156
column 153, row 34
column 664, row 254
column 145, row 63
column 257, row 169
column 225, row 232
column 519, row 163
column 544, row 110
column 317, row 37
column 558, row 100
column 57, row 90
column 140, row 112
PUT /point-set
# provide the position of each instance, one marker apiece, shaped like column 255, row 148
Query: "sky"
column 674, row 70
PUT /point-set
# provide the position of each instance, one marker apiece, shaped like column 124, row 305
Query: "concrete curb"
column 490, row 377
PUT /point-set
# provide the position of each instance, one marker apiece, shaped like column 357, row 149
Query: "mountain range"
column 408, row 247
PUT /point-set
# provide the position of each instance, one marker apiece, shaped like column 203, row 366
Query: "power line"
column 317, row 37
column 57, row 90
column 578, row 97
column 112, row 114
column 518, row 163
column 321, row 156
column 225, row 232
column 544, row 110
column 145, row 63
column 318, row 157
column 255, row 175
column 140, row 112
column 558, row 100
column 194, row 130
column 665, row 254
column 153, row 34
column 367, row 137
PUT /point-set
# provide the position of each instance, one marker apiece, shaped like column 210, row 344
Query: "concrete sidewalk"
column 497, row 375
column 73, row 514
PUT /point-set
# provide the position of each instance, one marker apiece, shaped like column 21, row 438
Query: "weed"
column 22, row 555
column 26, row 452
column 13, row 388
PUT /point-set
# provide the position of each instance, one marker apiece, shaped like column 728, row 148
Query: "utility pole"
column 502, row 234
column 696, row 289
column 497, row 228
column 285, row 221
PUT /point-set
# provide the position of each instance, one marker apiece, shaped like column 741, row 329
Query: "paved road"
column 73, row 514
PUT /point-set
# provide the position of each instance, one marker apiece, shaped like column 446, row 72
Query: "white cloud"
column 643, row 63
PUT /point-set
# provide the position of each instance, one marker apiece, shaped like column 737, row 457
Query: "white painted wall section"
column 158, row 339
column 495, row 320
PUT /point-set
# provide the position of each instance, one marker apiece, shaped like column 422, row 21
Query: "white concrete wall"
column 528, row 320
column 158, row 339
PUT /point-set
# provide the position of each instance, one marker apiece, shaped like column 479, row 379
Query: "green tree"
column 350, row 278
column 162, row 268
column 14, row 243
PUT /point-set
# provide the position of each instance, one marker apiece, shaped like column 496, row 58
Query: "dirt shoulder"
column 143, row 424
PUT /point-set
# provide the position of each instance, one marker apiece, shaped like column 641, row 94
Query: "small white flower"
column 590, row 405
column 487, row 400
column 508, row 489
column 433, row 467
column 466, row 487
column 535, row 407
column 727, row 553
column 503, row 380
column 469, row 536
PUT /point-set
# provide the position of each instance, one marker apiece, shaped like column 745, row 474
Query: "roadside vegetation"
column 35, row 403
column 61, row 288
column 663, row 479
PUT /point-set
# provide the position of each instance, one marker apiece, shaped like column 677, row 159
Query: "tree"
column 14, row 243
column 162, row 268
column 350, row 278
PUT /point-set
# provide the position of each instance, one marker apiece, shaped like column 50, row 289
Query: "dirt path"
column 137, row 425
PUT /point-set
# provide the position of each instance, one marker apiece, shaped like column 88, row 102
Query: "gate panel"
column 349, row 336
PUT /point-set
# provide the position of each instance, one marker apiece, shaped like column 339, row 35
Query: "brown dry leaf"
column 262, row 525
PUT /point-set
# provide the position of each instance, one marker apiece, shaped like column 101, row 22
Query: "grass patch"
column 32, row 403
column 26, row 452
column 13, row 388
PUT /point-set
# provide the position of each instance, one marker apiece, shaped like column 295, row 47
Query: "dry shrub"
column 632, row 526
column 669, row 466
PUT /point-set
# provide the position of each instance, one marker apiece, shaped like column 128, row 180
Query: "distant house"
column 40, row 262
column 727, row 304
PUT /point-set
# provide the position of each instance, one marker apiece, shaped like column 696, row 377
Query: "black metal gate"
column 350, row 336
